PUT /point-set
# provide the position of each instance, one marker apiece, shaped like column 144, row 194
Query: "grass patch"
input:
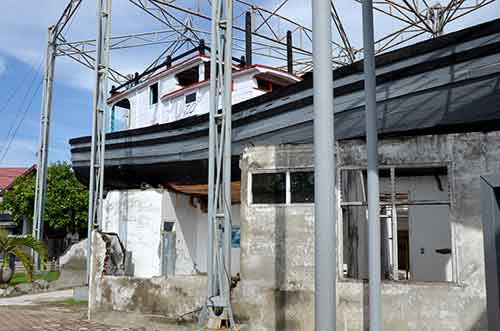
column 73, row 302
column 21, row 278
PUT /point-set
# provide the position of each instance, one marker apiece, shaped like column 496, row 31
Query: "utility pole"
column 43, row 148
column 374, row 273
column 219, row 172
column 325, row 239
column 96, row 177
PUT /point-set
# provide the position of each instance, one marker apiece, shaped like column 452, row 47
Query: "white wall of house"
column 135, row 216
column 138, row 216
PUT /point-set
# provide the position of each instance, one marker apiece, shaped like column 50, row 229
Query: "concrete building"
column 439, row 126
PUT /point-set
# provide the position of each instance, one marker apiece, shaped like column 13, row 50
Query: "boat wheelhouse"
column 179, row 89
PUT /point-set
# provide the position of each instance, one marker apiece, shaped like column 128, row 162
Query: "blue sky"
column 22, row 40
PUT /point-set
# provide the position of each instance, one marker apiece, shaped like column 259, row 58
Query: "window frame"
column 288, row 186
column 150, row 90
column 189, row 95
column 261, row 172
column 455, row 279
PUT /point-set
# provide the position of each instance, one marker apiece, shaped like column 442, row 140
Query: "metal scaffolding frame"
column 43, row 148
column 219, row 173
column 98, row 140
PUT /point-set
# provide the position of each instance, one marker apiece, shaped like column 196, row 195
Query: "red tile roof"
column 9, row 175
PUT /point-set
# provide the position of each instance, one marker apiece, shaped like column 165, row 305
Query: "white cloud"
column 27, row 37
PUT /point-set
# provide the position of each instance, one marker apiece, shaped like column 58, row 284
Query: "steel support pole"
column 248, row 38
column 289, row 52
column 373, row 176
column 324, row 170
column 227, row 99
column 219, row 172
column 43, row 149
column 211, row 155
column 96, row 177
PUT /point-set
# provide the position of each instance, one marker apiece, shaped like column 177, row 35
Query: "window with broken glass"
column 415, row 228
column 290, row 187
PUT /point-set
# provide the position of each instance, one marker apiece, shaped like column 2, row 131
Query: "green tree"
column 66, row 199
column 13, row 246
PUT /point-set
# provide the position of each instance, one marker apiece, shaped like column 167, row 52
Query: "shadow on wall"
column 290, row 312
column 280, row 270
column 482, row 323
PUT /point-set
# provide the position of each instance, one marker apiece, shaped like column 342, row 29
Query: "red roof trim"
column 185, row 89
column 157, row 75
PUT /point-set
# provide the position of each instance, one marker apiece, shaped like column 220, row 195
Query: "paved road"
column 63, row 319
column 37, row 299
column 13, row 319
column 51, row 311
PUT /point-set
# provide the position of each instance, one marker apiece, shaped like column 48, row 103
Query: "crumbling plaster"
column 277, row 242
column 169, row 297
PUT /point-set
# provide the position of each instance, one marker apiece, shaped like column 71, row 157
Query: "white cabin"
column 182, row 90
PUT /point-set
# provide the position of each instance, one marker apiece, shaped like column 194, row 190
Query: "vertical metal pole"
column 96, row 177
column 248, row 38
column 219, row 172
column 373, row 177
column 394, row 219
column 43, row 149
column 324, row 170
column 289, row 51
column 228, row 77
column 211, row 152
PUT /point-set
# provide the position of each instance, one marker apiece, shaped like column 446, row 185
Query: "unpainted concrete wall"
column 170, row 297
column 277, row 243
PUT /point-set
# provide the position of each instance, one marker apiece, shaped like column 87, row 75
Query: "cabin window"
column 415, row 227
column 190, row 98
column 188, row 77
column 120, row 116
column 264, row 85
column 302, row 186
column 153, row 94
column 269, row 188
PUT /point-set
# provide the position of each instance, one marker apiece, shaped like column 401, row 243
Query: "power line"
column 17, row 89
column 31, row 85
column 23, row 117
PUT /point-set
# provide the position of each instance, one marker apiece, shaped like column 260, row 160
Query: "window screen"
column 269, row 188
column 302, row 186
column 153, row 94
column 190, row 98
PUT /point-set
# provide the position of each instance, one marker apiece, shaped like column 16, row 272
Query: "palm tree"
column 13, row 246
